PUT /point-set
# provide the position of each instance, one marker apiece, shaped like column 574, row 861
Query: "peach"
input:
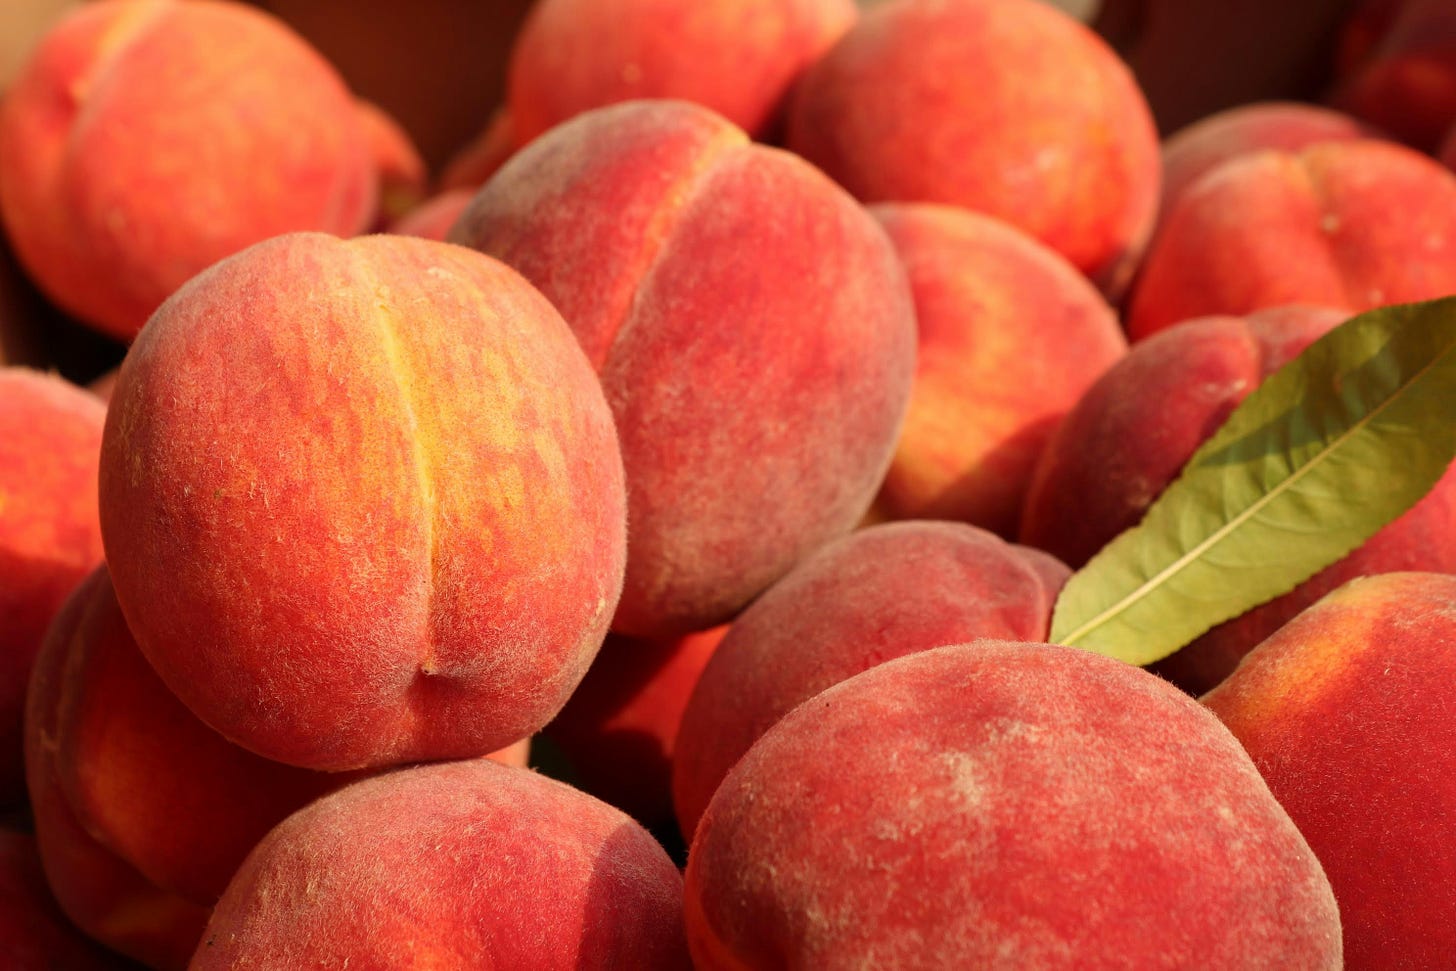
column 1011, row 335
column 751, row 325
column 1359, row 224
column 1447, row 153
column 737, row 57
column 1003, row 804
column 147, row 139
column 1406, row 84
column 1286, row 126
column 362, row 501
column 104, row 896
column 1007, row 107
column 619, row 730
column 1127, row 439
column 36, row 933
column 458, row 865
column 1346, row 712
column 50, row 537
column 877, row 594
column 148, row 780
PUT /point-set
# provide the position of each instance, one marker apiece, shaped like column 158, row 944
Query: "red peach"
column 147, row 139
column 457, row 865
column 1011, row 335
column 1007, row 107
column 1358, row 224
column 363, row 502
column 736, row 57
column 877, row 594
column 1286, row 126
column 752, row 328
column 99, row 891
column 1003, row 804
column 50, row 536
column 1347, row 713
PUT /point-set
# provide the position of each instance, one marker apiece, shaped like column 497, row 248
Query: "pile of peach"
column 633, row 544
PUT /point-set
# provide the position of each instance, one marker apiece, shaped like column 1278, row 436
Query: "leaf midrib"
column 1192, row 555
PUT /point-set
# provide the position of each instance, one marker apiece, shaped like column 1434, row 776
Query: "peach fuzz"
column 1287, row 126
column 736, row 57
column 1007, row 107
column 101, row 893
column 1003, row 804
column 619, row 730
column 1407, row 82
column 50, row 536
column 362, row 501
column 1347, row 713
column 406, row 870
column 36, row 932
column 1134, row 430
column 1010, row 336
column 1358, row 224
column 877, row 594
column 751, row 325
column 147, row 139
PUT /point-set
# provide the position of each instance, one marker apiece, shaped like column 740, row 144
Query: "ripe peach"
column 1358, row 224
column 1011, row 335
column 1287, row 126
column 105, row 896
column 50, row 537
column 876, row 594
column 1007, row 107
column 1003, row 804
column 1134, row 430
column 619, row 729
column 362, row 501
column 737, row 57
column 143, row 775
column 1346, row 712
column 146, row 139
column 457, row 865
column 751, row 325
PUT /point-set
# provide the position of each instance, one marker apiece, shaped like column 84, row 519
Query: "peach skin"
column 363, row 502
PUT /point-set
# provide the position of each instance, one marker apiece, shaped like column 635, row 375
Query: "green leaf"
column 1328, row 449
